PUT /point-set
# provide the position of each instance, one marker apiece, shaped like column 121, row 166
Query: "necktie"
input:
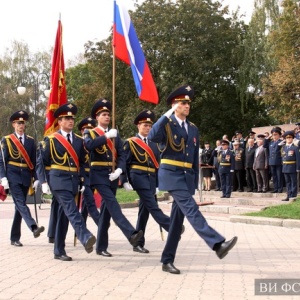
column 68, row 138
column 183, row 126
column 20, row 138
column 145, row 140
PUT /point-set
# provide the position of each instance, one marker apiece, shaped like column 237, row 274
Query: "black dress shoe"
column 140, row 249
column 274, row 192
column 169, row 267
column 227, row 196
column 16, row 243
column 104, row 253
column 51, row 240
column 88, row 245
column 222, row 249
column 135, row 238
column 286, row 199
column 250, row 191
column 223, row 196
column 63, row 257
column 37, row 231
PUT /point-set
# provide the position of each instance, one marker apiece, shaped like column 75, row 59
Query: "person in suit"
column 249, row 161
column 290, row 165
column 215, row 162
column 17, row 168
column 107, row 161
column 88, row 200
column 178, row 174
column 142, row 162
column 226, row 169
column 260, row 165
column 275, row 160
column 64, row 155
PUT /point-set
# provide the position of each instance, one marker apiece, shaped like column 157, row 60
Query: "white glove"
column 170, row 111
column 282, row 143
column 4, row 183
column 296, row 142
column 46, row 188
column 127, row 186
column 112, row 133
column 82, row 189
column 35, row 184
column 157, row 191
column 231, row 171
column 115, row 175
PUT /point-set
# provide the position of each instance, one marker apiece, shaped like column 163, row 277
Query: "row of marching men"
column 162, row 154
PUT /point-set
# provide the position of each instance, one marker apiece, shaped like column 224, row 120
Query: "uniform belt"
column 47, row 168
column 103, row 163
column 147, row 169
column 17, row 164
column 176, row 163
column 69, row 169
column 86, row 169
column 225, row 164
column 291, row 162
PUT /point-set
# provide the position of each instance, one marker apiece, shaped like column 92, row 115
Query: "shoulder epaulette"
column 29, row 136
column 79, row 136
column 192, row 124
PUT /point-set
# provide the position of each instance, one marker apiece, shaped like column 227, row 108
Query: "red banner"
column 58, row 95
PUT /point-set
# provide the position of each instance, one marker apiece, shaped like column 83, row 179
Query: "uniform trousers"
column 184, row 205
column 89, row 205
column 53, row 218
column 148, row 205
column 110, row 208
column 291, row 184
column 276, row 172
column 19, row 194
column 68, row 211
column 226, row 181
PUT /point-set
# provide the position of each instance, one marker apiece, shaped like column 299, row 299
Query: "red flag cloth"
column 58, row 95
column 128, row 49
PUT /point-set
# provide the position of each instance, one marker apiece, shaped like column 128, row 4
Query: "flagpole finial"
column 59, row 16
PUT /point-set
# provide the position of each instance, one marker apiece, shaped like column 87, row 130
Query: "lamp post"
column 22, row 90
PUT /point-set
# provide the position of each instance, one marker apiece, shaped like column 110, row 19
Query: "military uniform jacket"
column 61, row 168
column 101, row 158
column 274, row 151
column 12, row 164
column 239, row 159
column 140, row 169
column 290, row 159
column 181, row 150
column 227, row 161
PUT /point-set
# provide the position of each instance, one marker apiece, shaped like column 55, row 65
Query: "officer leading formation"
column 162, row 156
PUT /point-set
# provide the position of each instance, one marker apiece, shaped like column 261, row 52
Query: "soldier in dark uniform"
column 179, row 174
column 226, row 168
column 104, row 155
column 215, row 160
column 275, row 160
column 64, row 154
column 290, row 165
column 239, row 167
column 88, row 200
column 17, row 168
column 142, row 158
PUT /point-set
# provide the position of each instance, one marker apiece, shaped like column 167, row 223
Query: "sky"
column 35, row 22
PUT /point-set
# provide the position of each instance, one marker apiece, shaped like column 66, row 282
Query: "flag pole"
column 113, row 110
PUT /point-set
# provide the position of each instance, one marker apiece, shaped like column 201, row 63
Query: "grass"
column 124, row 196
column 284, row 211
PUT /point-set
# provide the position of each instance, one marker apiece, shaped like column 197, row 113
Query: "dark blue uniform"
column 64, row 180
column 275, row 163
column 14, row 167
column 290, row 166
column 226, row 168
column 178, row 174
column 142, row 175
column 101, row 166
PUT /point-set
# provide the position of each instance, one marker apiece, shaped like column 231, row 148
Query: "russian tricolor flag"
column 128, row 49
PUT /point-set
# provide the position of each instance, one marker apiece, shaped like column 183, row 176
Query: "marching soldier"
column 63, row 153
column 17, row 168
column 142, row 165
column 179, row 174
column 290, row 165
column 226, row 168
column 88, row 200
column 104, row 154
